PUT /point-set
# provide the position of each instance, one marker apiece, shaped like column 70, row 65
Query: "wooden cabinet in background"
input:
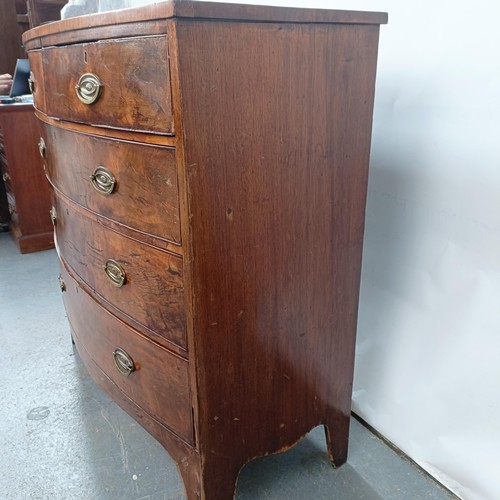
column 44, row 11
column 27, row 188
column 13, row 22
column 209, row 164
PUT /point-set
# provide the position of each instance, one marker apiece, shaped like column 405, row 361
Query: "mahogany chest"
column 209, row 164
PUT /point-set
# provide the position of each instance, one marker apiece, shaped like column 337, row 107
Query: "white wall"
column 428, row 363
column 428, row 359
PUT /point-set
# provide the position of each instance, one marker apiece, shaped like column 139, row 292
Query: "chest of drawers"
column 209, row 165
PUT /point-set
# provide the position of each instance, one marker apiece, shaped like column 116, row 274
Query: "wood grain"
column 128, row 21
column 159, row 383
column 153, row 294
column 27, row 187
column 146, row 194
column 135, row 96
column 277, row 187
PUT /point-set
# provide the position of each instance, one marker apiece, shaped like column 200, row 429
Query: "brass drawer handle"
column 115, row 273
column 88, row 88
column 42, row 149
column 53, row 215
column 123, row 362
column 103, row 181
column 31, row 82
column 6, row 177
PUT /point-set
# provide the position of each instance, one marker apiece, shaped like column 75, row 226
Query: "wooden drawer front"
column 36, row 67
column 159, row 383
column 145, row 195
column 153, row 293
column 135, row 78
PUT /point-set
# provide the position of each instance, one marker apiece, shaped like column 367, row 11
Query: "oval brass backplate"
column 115, row 273
column 103, row 181
column 88, row 89
column 123, row 362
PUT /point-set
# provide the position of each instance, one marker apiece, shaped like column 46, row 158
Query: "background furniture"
column 16, row 16
column 44, row 11
column 13, row 23
column 209, row 163
column 25, row 182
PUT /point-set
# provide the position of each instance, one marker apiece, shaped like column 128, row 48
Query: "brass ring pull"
column 123, row 362
column 115, row 273
column 103, row 181
column 88, row 88
column 53, row 215
column 42, row 149
column 31, row 82
column 6, row 177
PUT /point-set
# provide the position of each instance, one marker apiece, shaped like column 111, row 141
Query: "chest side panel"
column 277, row 126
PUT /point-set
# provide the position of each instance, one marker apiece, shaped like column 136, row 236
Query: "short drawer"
column 121, row 83
column 130, row 183
column 155, row 379
column 145, row 284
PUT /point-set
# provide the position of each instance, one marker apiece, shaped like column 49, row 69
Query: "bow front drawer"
column 133, row 184
column 121, row 83
column 143, row 284
column 146, row 373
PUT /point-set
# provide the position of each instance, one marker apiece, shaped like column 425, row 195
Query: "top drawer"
column 128, row 78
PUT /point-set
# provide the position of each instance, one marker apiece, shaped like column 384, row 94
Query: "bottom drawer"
column 152, row 377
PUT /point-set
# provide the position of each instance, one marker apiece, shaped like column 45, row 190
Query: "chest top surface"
column 68, row 29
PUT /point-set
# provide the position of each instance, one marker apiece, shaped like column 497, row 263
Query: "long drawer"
column 152, row 377
column 133, row 184
column 144, row 283
column 121, row 91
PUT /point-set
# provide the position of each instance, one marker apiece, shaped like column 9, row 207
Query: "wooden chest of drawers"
column 209, row 164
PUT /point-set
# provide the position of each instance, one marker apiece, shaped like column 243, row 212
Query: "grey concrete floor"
column 62, row 438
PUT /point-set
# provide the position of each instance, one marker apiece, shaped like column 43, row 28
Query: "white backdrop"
column 428, row 363
column 428, row 359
